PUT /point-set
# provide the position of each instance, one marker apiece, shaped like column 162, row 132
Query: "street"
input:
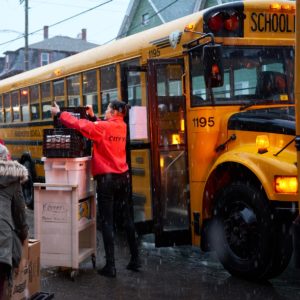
column 167, row 273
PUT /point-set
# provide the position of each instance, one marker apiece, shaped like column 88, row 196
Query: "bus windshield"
column 256, row 75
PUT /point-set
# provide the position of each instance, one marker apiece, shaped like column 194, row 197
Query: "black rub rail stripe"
column 22, row 142
column 32, row 124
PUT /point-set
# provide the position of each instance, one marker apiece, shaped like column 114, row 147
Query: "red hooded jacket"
column 109, row 142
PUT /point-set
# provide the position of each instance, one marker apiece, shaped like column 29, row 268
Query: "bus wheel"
column 242, row 234
column 28, row 187
column 282, row 250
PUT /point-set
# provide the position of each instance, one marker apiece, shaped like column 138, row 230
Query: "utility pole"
column 26, row 58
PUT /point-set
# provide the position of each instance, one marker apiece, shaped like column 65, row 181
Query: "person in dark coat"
column 12, row 211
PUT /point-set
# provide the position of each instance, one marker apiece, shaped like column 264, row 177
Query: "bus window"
column 245, row 71
column 108, row 86
column 34, row 102
column 73, row 85
column 7, row 108
column 15, row 106
column 170, row 104
column 89, row 90
column 46, row 100
column 1, row 110
column 59, row 92
column 24, row 105
column 133, row 83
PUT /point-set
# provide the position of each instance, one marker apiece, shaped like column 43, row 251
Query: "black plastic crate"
column 65, row 142
column 77, row 112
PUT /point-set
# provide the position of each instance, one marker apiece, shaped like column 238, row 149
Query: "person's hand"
column 55, row 109
column 89, row 110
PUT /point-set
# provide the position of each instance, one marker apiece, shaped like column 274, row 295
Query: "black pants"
column 113, row 196
column 5, row 272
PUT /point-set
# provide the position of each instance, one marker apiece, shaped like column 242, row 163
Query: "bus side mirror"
column 213, row 67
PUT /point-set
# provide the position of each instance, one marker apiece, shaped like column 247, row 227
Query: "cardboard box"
column 19, row 289
column 34, row 250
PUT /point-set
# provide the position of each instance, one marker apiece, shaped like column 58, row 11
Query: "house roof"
column 175, row 10
column 63, row 43
column 167, row 10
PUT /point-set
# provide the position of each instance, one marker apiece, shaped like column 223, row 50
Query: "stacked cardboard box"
column 26, row 279
column 34, row 250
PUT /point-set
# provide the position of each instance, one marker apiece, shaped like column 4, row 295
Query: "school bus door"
column 170, row 184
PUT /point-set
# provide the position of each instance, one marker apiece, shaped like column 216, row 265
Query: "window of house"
column 109, row 91
column 89, row 90
column 24, row 105
column 145, row 19
column 45, row 58
column 34, row 102
column 6, row 62
column 73, row 85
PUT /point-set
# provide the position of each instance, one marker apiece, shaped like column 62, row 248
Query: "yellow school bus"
column 211, row 126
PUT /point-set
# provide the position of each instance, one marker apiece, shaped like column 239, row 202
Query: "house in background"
column 145, row 14
column 43, row 53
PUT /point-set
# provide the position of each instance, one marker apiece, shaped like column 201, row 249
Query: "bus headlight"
column 286, row 184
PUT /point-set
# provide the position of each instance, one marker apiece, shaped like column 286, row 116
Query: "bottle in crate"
column 65, row 142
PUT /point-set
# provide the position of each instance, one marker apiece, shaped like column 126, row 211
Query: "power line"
column 59, row 22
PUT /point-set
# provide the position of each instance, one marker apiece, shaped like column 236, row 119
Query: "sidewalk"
column 167, row 273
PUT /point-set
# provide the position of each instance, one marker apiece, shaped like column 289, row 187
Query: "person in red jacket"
column 110, row 170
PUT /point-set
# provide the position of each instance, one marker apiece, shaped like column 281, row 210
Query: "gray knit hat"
column 3, row 152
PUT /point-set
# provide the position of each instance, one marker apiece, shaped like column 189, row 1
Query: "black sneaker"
column 108, row 271
column 134, row 264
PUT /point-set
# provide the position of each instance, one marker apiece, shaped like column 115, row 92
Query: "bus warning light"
column 232, row 23
column 215, row 23
column 275, row 6
column 189, row 27
column 58, row 72
column 262, row 143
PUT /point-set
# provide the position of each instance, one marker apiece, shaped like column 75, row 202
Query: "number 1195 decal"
column 203, row 122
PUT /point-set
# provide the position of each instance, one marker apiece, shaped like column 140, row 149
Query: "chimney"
column 46, row 31
column 83, row 34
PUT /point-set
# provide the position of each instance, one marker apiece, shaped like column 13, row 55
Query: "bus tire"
column 242, row 234
column 27, row 187
column 282, row 250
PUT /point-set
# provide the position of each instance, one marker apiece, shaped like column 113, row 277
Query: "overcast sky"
column 102, row 23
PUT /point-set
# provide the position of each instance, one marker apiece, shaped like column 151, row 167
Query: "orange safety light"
column 189, row 27
column 57, row 72
column 275, row 6
column 24, row 92
column 286, row 184
column 285, row 7
column 262, row 143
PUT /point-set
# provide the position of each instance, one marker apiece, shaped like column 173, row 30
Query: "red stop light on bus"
column 213, row 67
